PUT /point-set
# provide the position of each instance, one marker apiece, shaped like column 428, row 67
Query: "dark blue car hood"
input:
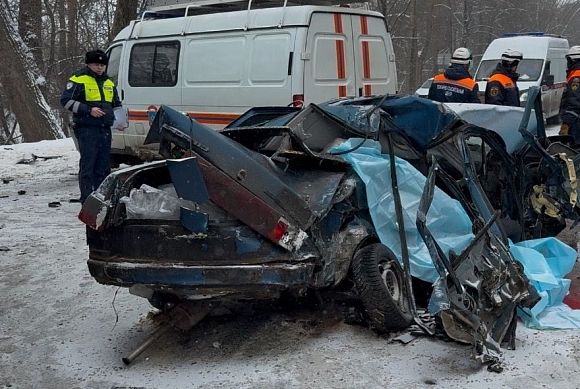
column 420, row 120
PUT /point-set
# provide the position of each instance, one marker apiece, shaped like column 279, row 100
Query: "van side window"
column 154, row 64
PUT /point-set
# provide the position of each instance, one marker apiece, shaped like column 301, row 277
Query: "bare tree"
column 126, row 11
column 29, row 27
column 21, row 77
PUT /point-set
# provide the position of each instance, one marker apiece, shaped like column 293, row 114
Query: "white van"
column 543, row 65
column 215, row 66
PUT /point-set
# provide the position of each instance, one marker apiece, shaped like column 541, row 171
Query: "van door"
column 329, row 67
column 115, row 54
column 152, row 79
column 225, row 74
column 373, row 56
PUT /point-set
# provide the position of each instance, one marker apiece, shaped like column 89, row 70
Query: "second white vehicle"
column 543, row 65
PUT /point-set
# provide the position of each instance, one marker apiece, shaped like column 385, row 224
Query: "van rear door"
column 329, row 67
column 374, row 56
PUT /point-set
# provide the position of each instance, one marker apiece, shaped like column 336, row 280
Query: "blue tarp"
column 374, row 169
column 545, row 261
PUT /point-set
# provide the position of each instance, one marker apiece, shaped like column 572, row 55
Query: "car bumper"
column 222, row 277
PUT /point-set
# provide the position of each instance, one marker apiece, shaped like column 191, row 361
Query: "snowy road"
column 57, row 325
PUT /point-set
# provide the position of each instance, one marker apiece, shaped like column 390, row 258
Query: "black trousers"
column 94, row 165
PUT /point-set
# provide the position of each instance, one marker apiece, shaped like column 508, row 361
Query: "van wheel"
column 379, row 282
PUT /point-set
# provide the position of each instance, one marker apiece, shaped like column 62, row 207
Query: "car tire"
column 378, row 279
column 163, row 301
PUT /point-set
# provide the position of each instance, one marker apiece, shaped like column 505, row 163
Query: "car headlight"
column 524, row 97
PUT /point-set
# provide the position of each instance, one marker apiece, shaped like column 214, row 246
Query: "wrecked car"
column 269, row 206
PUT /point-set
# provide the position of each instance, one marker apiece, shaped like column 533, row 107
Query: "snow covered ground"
column 58, row 326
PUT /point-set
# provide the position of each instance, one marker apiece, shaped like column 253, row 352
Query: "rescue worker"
column 570, row 104
column 455, row 84
column 502, row 87
column 91, row 96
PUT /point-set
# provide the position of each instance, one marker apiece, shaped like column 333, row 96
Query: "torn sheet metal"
column 480, row 284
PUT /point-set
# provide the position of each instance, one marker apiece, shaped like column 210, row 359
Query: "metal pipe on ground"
column 183, row 317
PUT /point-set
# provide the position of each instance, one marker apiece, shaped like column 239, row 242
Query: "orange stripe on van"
column 340, row 61
column 366, row 56
column 202, row 117
column 138, row 115
column 213, row 118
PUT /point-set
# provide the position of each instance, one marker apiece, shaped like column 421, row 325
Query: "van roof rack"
column 534, row 33
column 160, row 9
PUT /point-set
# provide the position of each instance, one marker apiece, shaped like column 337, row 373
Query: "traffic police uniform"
column 85, row 90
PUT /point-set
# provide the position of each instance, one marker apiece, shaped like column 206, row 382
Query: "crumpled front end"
column 480, row 288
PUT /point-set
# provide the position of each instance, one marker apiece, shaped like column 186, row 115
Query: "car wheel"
column 163, row 301
column 379, row 281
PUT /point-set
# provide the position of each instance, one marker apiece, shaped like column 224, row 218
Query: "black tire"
column 163, row 301
column 379, row 282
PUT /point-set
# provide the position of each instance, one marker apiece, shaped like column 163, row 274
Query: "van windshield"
column 529, row 69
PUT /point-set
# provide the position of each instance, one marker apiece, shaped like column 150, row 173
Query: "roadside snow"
column 58, row 327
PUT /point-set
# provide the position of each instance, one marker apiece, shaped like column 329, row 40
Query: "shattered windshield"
column 528, row 69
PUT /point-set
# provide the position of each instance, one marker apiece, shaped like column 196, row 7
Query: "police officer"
column 502, row 88
column 91, row 96
column 570, row 105
column 455, row 84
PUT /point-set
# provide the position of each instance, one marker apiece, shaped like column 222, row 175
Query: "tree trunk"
column 29, row 27
column 72, row 39
column 20, row 78
column 125, row 12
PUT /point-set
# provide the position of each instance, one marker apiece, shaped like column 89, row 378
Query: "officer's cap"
column 96, row 56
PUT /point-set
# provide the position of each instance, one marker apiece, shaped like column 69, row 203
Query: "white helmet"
column 511, row 55
column 461, row 56
column 573, row 53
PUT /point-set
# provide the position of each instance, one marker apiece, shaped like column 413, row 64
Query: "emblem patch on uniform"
column 494, row 91
column 69, row 85
column 575, row 86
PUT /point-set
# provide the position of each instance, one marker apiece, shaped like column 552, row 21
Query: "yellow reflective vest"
column 92, row 91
